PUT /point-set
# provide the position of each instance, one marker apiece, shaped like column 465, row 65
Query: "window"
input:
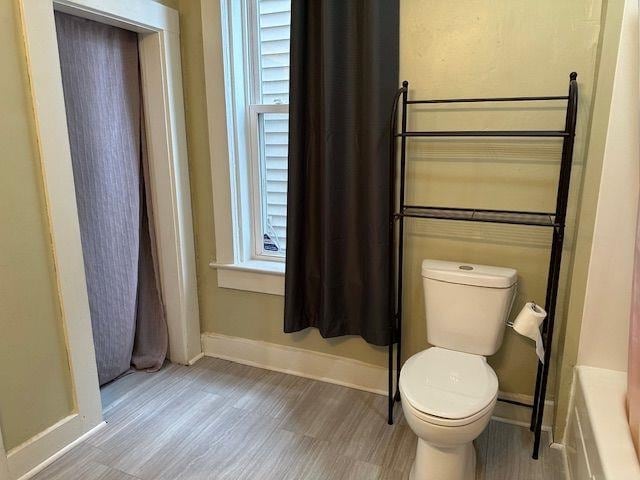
column 268, row 25
column 247, row 84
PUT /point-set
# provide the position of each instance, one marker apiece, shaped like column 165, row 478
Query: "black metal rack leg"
column 396, row 397
column 401, row 201
column 543, row 390
column 393, row 315
column 537, row 397
column 390, row 391
column 398, row 330
column 548, row 338
column 534, row 412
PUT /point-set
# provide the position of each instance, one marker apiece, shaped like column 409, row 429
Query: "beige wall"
column 35, row 385
column 448, row 49
column 599, row 121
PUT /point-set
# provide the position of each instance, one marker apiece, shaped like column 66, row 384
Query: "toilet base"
column 444, row 463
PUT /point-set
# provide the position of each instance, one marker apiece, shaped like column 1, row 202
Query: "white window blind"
column 274, row 19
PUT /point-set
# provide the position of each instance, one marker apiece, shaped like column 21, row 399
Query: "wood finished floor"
column 222, row 420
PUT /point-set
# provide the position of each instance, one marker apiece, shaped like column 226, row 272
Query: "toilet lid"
column 448, row 384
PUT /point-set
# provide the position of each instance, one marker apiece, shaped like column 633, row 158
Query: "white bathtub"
column 598, row 442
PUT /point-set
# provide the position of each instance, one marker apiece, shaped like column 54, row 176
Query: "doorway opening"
column 158, row 36
column 100, row 70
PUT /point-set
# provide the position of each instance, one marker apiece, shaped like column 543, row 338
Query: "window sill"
column 253, row 276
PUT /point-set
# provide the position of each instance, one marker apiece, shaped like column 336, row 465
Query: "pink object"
column 633, row 375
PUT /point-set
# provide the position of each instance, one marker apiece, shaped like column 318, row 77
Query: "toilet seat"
column 448, row 388
column 447, row 422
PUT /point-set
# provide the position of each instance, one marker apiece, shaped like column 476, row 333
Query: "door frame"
column 161, row 77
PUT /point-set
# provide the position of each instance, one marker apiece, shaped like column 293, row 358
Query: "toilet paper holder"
column 537, row 308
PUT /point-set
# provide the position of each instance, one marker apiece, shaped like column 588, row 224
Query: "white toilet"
column 449, row 390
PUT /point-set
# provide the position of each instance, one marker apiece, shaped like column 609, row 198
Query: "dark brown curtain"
column 344, row 73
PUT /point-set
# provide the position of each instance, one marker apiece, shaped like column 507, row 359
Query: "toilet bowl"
column 448, row 398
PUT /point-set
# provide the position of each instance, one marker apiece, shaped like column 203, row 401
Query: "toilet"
column 449, row 391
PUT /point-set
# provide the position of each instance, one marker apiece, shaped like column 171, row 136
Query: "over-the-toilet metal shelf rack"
column 556, row 220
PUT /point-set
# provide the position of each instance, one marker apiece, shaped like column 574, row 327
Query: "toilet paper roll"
column 527, row 324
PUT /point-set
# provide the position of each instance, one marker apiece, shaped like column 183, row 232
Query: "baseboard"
column 196, row 358
column 565, row 461
column 520, row 415
column 340, row 371
column 41, row 450
column 297, row 361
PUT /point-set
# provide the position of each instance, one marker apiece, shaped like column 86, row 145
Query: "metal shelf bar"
column 495, row 99
column 487, row 133
column 539, row 219
column 464, row 209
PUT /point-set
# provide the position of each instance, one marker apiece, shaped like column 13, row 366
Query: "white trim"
column 161, row 81
column 297, row 361
column 221, row 114
column 138, row 15
column 171, row 195
column 51, row 131
column 235, row 277
column 46, row 445
column 196, row 358
column 262, row 276
column 565, row 463
column 520, row 415
column 338, row 370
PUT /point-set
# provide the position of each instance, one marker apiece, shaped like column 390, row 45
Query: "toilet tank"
column 467, row 305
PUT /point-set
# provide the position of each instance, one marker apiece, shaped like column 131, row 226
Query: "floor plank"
column 222, row 420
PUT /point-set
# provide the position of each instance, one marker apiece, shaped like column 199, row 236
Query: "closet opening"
column 103, row 97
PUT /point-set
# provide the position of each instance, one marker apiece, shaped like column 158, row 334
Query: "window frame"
column 254, row 108
column 232, row 85
column 257, row 186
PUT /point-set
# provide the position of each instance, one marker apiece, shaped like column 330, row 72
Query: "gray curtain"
column 101, row 80
column 344, row 73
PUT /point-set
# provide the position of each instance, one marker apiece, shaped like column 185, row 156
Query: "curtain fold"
column 152, row 337
column 344, row 73
column 101, row 81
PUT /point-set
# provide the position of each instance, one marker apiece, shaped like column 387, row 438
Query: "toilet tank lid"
column 469, row 274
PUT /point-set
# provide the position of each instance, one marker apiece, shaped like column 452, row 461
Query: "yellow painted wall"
column 448, row 49
column 35, row 385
